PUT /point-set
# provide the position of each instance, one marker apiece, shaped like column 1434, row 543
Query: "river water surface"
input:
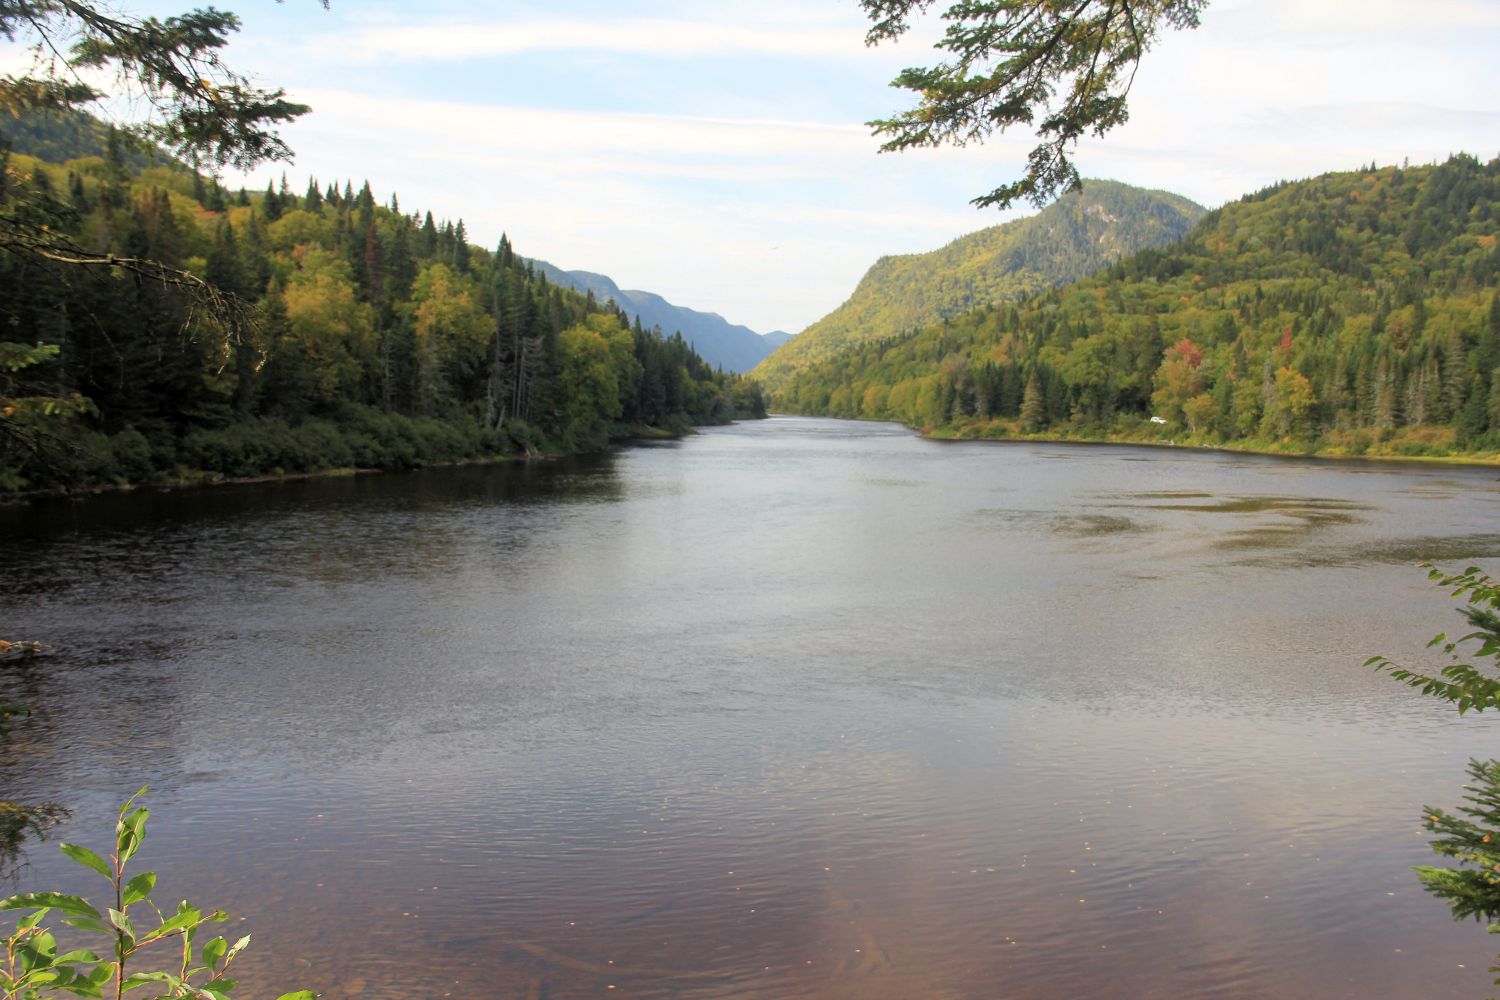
column 790, row 708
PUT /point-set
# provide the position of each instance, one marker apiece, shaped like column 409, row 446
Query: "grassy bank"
column 1433, row 445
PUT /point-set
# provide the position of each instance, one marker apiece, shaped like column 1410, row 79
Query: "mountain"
column 776, row 338
column 1070, row 239
column 721, row 343
column 1352, row 313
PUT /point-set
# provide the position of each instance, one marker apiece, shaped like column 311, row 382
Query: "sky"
column 715, row 152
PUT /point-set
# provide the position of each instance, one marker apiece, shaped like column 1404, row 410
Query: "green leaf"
column 140, row 979
column 81, row 987
column 131, row 801
column 87, row 858
column 213, row 951
column 130, row 832
column 86, row 924
column 186, row 915
column 77, row 956
column 26, row 923
column 138, row 888
column 122, row 924
column 236, row 948
column 55, row 900
column 299, row 995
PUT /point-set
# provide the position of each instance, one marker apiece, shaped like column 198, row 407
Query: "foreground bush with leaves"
column 1472, row 838
column 34, row 968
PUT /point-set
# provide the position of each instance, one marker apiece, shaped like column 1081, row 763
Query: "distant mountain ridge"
column 721, row 343
column 1072, row 238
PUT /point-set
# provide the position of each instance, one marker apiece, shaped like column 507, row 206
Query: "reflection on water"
column 1095, row 525
column 796, row 708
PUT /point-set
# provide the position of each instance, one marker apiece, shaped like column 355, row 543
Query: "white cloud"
column 653, row 37
column 1328, row 22
column 567, row 133
column 767, row 222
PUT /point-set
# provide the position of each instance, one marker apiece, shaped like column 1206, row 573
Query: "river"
column 789, row 708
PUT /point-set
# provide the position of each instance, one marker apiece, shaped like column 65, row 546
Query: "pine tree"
column 461, row 248
column 1494, row 401
column 1033, row 415
column 1473, row 418
column 271, row 203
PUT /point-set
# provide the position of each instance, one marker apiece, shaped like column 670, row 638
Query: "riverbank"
column 1252, row 447
column 1421, row 445
column 188, row 479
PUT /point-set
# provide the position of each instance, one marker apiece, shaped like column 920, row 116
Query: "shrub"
column 34, row 968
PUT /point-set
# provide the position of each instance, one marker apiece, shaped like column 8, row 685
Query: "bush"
column 355, row 436
column 1472, row 837
column 34, row 968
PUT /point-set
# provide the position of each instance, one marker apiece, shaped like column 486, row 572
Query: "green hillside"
column 335, row 332
column 1071, row 239
column 68, row 134
column 1354, row 313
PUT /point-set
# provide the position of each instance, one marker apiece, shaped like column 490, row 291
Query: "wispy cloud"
column 427, row 40
column 712, row 212
column 564, row 137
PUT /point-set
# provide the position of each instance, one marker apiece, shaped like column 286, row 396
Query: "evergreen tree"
column 271, row 203
column 1033, row 414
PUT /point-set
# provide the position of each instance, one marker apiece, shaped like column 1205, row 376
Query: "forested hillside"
column 353, row 335
column 69, row 134
column 1070, row 239
column 1352, row 313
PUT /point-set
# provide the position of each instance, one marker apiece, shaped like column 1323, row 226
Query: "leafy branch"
column 200, row 107
column 1472, row 837
column 1069, row 64
column 1461, row 682
column 33, row 966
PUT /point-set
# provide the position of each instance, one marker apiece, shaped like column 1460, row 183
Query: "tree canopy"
column 200, row 108
column 1063, row 66
column 372, row 338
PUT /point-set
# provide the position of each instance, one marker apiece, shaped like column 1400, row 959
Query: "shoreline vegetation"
column 190, row 479
column 1005, row 432
column 1423, row 453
